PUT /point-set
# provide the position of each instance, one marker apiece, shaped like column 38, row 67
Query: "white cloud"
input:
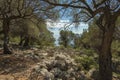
column 63, row 23
column 58, row 24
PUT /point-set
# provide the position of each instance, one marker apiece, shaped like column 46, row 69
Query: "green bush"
column 86, row 62
column 88, row 52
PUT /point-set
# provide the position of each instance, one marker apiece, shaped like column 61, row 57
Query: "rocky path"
column 43, row 65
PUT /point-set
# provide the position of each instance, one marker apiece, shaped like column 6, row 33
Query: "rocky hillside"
column 50, row 64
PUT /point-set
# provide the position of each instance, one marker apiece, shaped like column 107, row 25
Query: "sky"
column 57, row 26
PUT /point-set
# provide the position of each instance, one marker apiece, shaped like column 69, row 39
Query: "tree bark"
column 105, row 55
column 21, row 40
column 6, row 48
column 26, row 43
column 65, row 43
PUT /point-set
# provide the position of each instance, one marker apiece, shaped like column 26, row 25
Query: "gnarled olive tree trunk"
column 6, row 23
column 105, row 55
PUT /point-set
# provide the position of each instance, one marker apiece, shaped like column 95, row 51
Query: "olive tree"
column 26, row 30
column 11, row 10
column 66, row 38
column 31, row 32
